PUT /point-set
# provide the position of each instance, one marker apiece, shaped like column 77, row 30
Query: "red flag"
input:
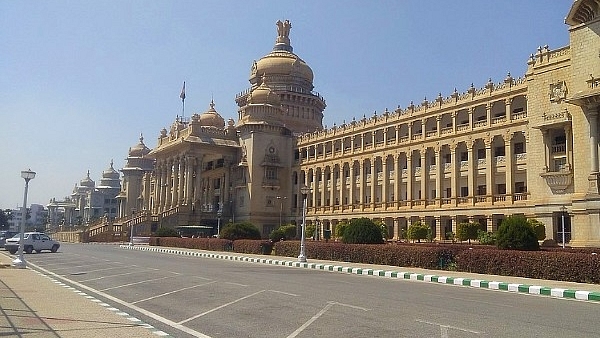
column 182, row 95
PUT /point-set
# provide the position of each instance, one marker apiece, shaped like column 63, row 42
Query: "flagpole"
column 182, row 96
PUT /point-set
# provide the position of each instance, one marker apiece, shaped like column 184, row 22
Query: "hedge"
column 574, row 265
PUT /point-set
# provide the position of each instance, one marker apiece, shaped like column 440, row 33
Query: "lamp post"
column 280, row 198
column 219, row 214
column 19, row 262
column 131, row 226
column 304, row 190
column 563, row 210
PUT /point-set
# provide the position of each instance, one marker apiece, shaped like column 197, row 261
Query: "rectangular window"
column 464, row 191
column 481, row 190
column 464, row 156
column 520, row 187
column 499, row 151
column 480, row 154
column 448, row 158
column 448, row 192
column 501, row 189
column 271, row 173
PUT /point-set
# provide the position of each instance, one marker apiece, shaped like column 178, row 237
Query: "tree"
column 309, row 231
column 467, row 231
column 362, row 231
column 244, row 230
column 340, row 228
column 515, row 233
column 285, row 232
column 5, row 216
column 538, row 227
column 417, row 231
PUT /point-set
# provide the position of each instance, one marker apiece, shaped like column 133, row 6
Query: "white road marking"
column 311, row 320
column 140, row 282
column 129, row 305
column 285, row 293
column 110, row 276
column 220, row 307
column 171, row 292
column 238, row 284
column 447, row 326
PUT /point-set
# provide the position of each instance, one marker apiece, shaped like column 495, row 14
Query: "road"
column 202, row 297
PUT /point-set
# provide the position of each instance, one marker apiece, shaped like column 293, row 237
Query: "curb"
column 475, row 283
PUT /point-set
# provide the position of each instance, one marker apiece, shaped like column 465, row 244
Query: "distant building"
column 37, row 216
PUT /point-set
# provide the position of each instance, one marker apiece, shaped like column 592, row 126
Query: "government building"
column 524, row 145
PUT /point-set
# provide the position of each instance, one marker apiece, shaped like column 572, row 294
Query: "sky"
column 80, row 81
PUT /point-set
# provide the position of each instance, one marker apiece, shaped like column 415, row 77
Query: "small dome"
column 87, row 181
column 211, row 118
column 110, row 173
column 264, row 95
column 138, row 150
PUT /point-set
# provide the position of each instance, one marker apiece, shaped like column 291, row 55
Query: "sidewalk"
column 33, row 305
column 551, row 288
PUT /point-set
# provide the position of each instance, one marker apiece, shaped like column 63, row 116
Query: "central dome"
column 281, row 62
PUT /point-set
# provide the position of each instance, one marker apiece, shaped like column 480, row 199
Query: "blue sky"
column 81, row 80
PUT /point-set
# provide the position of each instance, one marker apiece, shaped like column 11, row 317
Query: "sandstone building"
column 524, row 145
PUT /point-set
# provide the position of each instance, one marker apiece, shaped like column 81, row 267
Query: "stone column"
column 508, row 113
column 594, row 175
column 181, row 182
column 396, row 228
column 409, row 178
column 351, row 197
column 384, row 183
column 438, row 175
column 373, row 181
column 455, row 177
column 342, row 187
column 509, row 157
column 471, row 171
column 332, row 188
column 424, row 175
column 361, row 187
column 323, row 188
column 489, row 170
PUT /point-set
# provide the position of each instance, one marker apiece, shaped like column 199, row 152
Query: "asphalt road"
column 202, row 297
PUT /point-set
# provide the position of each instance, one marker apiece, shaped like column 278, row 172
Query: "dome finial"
column 283, row 36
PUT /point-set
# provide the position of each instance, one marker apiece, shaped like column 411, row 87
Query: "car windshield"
column 18, row 236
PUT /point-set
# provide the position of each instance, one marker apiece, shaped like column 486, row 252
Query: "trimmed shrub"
column 166, row 232
column 362, row 231
column 486, row 238
column 417, row 231
column 515, row 233
column 235, row 231
column 467, row 231
column 284, row 232
column 538, row 227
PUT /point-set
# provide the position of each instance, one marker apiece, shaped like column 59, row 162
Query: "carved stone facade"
column 526, row 145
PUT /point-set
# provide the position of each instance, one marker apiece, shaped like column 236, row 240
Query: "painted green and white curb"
column 475, row 283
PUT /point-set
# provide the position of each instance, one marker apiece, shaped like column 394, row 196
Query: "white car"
column 33, row 241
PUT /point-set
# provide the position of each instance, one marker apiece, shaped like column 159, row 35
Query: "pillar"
column 489, row 171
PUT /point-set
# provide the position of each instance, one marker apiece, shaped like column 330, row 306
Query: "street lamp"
column 304, row 190
column 131, row 226
column 219, row 214
column 19, row 262
column 280, row 198
column 563, row 210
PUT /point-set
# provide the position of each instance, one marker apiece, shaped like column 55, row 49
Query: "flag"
column 182, row 95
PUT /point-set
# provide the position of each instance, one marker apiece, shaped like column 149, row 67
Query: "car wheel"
column 54, row 248
column 28, row 249
column 12, row 252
